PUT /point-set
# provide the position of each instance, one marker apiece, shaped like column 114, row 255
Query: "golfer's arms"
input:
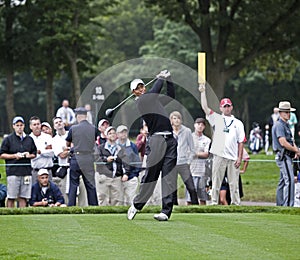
column 204, row 105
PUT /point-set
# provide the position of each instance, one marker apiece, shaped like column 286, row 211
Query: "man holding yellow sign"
column 227, row 143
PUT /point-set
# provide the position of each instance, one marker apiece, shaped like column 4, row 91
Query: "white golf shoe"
column 161, row 217
column 131, row 212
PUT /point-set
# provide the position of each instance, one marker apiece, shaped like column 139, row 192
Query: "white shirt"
column 44, row 159
column 59, row 142
column 228, row 133
column 67, row 115
column 201, row 144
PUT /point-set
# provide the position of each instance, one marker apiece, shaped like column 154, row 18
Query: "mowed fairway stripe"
column 112, row 236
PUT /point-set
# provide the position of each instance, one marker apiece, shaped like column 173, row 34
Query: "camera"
column 50, row 200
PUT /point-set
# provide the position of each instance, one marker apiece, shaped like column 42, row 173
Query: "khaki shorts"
column 19, row 187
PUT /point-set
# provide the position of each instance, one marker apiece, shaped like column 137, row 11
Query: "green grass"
column 261, row 179
column 185, row 236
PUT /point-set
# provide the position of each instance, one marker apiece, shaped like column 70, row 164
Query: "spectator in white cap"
column 46, row 128
column 45, row 193
column 130, row 181
column 102, row 126
column 110, row 171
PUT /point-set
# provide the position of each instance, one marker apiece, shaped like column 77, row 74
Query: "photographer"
column 45, row 193
column 286, row 150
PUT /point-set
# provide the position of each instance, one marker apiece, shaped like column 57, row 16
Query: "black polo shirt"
column 13, row 144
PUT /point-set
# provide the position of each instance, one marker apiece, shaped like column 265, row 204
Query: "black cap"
column 80, row 111
column 200, row 120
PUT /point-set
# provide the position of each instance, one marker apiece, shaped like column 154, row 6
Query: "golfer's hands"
column 201, row 87
column 164, row 74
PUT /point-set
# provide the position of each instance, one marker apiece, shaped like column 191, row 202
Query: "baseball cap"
column 17, row 119
column 108, row 129
column 225, row 101
column 122, row 128
column 46, row 124
column 200, row 120
column 101, row 122
column 135, row 83
column 80, row 111
column 42, row 171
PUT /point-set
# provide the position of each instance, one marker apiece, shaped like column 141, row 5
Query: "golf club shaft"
column 121, row 103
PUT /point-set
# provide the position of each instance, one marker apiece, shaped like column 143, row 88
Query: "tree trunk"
column 76, row 81
column 217, row 80
column 9, row 63
column 49, row 96
column 9, row 102
column 245, row 115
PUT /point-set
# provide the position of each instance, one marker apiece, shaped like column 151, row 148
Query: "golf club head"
column 109, row 112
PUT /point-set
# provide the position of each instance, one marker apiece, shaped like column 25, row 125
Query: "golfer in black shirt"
column 161, row 147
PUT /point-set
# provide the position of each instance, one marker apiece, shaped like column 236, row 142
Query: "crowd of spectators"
column 48, row 167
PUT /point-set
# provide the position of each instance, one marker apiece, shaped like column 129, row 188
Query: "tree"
column 124, row 30
column 71, row 30
column 235, row 33
column 16, row 46
column 172, row 40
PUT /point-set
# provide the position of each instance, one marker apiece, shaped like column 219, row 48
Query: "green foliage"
column 275, row 66
column 127, row 27
column 173, row 40
column 235, row 33
column 254, row 97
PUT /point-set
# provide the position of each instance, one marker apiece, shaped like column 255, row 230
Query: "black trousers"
column 161, row 157
column 82, row 165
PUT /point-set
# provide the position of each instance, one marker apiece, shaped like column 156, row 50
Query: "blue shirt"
column 53, row 192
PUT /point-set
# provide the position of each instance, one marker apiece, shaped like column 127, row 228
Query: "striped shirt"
column 201, row 144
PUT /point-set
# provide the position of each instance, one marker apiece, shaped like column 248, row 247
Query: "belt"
column 164, row 135
column 290, row 153
column 286, row 152
column 83, row 152
column 47, row 168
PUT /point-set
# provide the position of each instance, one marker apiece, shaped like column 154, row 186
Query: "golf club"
column 109, row 112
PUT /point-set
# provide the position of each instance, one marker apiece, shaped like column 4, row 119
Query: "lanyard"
column 226, row 128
